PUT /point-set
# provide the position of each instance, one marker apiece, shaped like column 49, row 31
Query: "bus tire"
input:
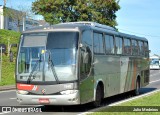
column 98, row 97
column 136, row 91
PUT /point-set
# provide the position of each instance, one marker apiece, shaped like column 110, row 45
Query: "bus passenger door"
column 86, row 76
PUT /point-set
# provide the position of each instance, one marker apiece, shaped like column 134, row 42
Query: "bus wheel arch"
column 99, row 94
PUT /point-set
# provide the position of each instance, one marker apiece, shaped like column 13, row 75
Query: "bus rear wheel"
column 136, row 91
column 98, row 97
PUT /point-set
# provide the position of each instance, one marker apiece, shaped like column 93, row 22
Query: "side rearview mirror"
column 149, row 51
column 85, row 54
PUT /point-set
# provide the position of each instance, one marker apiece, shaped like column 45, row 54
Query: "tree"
column 56, row 11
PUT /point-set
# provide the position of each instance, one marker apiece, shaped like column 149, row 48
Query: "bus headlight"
column 67, row 92
column 22, row 92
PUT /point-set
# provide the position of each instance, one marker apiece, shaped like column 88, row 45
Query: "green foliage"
column 8, row 68
column 9, row 34
column 56, row 11
column 8, row 72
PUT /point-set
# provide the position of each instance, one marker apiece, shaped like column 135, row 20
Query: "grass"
column 152, row 101
column 8, row 68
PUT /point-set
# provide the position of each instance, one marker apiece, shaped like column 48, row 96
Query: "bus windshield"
column 48, row 57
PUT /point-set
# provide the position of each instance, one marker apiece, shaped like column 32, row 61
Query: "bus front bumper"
column 70, row 99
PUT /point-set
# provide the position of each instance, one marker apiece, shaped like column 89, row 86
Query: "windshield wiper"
column 51, row 64
column 32, row 71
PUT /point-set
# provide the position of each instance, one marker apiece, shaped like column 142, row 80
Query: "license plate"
column 43, row 100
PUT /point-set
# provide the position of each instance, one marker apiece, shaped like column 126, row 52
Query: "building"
column 11, row 19
column 15, row 20
column 43, row 23
column 2, row 24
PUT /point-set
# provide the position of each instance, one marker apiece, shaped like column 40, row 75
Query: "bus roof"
column 84, row 25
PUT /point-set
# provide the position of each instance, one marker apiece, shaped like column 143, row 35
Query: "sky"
column 141, row 18
column 136, row 17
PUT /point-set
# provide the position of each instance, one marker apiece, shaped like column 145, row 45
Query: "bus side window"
column 134, row 47
column 137, row 48
column 109, row 42
column 127, row 46
column 118, row 44
column 87, row 39
column 141, row 48
column 146, row 49
column 98, row 43
column 85, row 67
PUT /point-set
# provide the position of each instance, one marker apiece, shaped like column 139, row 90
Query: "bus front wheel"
column 98, row 97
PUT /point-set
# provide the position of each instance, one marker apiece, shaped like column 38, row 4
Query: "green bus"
column 79, row 62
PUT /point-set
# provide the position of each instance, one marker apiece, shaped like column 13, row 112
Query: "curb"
column 8, row 87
